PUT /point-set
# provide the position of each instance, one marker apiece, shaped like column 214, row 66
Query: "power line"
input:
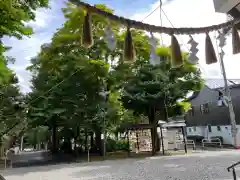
column 77, row 69
column 161, row 21
column 173, row 27
column 201, row 68
column 151, row 12
column 56, row 85
column 46, row 92
column 42, row 96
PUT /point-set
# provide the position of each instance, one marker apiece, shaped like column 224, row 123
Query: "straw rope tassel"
column 176, row 60
column 235, row 41
column 129, row 51
column 209, row 51
column 87, row 37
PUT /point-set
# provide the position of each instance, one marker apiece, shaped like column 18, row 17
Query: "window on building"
column 209, row 128
column 219, row 128
column 226, row 128
column 204, row 108
column 194, row 129
column 189, row 129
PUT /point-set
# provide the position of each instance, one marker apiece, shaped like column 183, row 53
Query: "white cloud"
column 22, row 51
column 45, row 24
column 197, row 13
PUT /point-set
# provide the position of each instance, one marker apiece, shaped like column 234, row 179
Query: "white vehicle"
column 28, row 149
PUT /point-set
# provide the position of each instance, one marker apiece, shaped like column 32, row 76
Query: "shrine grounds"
column 208, row 165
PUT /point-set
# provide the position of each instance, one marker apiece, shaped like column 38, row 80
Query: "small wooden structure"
column 174, row 125
column 139, row 135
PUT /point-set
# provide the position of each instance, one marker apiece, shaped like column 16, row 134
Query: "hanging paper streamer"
column 109, row 38
column 222, row 42
column 154, row 59
column 176, row 59
column 129, row 51
column 193, row 59
column 222, row 39
column 209, row 51
column 235, row 41
column 87, row 37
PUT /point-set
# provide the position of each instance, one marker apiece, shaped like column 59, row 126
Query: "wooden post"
column 137, row 140
column 21, row 147
column 88, row 154
column 128, row 143
column 234, row 174
column 184, row 139
column 163, row 150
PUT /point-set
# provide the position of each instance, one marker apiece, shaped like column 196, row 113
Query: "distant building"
column 206, row 118
column 227, row 6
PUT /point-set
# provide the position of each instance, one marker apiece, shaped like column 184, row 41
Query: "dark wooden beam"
column 235, row 14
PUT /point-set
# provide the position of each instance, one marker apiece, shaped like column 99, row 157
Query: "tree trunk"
column 116, row 135
column 154, row 135
column 92, row 140
column 54, row 138
column 137, row 140
column 76, row 138
column 99, row 146
column 86, row 140
column 35, row 140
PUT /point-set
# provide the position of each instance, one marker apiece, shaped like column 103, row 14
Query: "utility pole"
column 234, row 129
column 230, row 104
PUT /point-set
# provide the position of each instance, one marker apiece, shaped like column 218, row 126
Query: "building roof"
column 216, row 84
column 219, row 83
column 174, row 124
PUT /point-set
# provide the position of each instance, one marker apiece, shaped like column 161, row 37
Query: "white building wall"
column 224, row 132
column 195, row 131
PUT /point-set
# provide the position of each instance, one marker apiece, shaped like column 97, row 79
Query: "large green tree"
column 81, row 74
column 13, row 23
column 159, row 88
column 15, row 14
column 68, row 78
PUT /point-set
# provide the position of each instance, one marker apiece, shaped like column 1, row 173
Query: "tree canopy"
column 14, row 17
column 79, row 93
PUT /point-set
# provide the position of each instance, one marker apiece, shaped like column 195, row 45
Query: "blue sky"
column 46, row 23
column 181, row 13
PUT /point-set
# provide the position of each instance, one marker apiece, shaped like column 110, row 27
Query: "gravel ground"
column 202, row 166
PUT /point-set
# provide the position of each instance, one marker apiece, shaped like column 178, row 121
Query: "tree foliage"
column 160, row 86
column 151, row 89
column 15, row 13
column 68, row 81
column 13, row 23
column 79, row 74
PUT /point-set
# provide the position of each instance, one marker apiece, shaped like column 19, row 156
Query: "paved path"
column 205, row 166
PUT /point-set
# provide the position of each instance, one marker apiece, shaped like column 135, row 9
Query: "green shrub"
column 122, row 145
column 116, row 145
column 110, row 145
